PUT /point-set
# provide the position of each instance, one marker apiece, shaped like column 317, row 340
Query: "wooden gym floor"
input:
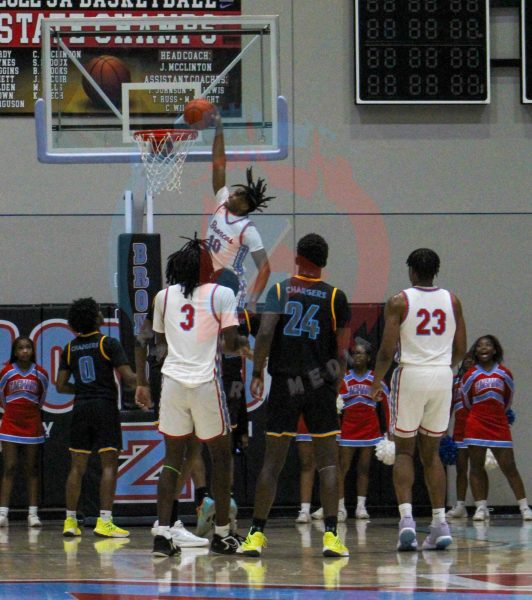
column 491, row 561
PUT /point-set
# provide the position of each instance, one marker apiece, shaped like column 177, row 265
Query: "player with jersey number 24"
column 428, row 324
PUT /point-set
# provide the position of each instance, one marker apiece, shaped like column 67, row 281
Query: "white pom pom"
column 491, row 462
column 385, row 451
column 339, row 404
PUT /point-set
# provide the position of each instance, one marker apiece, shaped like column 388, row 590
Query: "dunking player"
column 231, row 234
column 304, row 331
column 427, row 321
column 91, row 359
column 188, row 317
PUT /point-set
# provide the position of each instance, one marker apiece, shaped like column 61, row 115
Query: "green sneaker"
column 70, row 528
column 109, row 529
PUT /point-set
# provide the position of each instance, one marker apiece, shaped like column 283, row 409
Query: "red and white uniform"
column 421, row 390
column 360, row 422
column 192, row 397
column 22, row 394
column 231, row 238
column 460, row 412
column 488, row 395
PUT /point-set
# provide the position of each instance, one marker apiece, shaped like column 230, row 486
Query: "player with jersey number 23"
column 427, row 323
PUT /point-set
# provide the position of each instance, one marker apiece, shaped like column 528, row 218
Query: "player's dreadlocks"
column 190, row 266
column 425, row 262
column 83, row 315
column 254, row 192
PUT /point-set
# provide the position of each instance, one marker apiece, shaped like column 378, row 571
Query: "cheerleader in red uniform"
column 360, row 426
column 460, row 412
column 23, row 386
column 488, row 389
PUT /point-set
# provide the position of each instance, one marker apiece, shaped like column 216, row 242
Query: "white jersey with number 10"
column 192, row 326
column 428, row 328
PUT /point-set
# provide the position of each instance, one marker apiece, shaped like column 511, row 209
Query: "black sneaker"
column 224, row 545
column 239, row 538
column 163, row 546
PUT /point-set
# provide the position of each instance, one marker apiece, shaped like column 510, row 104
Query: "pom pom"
column 448, row 450
column 511, row 416
column 339, row 404
column 385, row 451
column 491, row 462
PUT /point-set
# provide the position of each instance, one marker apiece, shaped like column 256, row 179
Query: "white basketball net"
column 164, row 153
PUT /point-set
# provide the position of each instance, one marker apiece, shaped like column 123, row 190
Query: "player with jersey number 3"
column 427, row 323
column 231, row 233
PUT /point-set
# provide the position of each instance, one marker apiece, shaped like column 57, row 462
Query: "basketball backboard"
column 105, row 77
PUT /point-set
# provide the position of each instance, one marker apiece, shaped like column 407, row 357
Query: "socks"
column 481, row 503
column 305, row 507
column 438, row 516
column 32, row 510
column 331, row 524
column 71, row 514
column 341, row 504
column 221, row 530
column 4, row 510
column 199, row 494
column 105, row 515
column 460, row 503
column 405, row 510
column 257, row 525
column 523, row 504
column 361, row 501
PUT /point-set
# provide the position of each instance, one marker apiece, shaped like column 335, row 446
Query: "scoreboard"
column 422, row 51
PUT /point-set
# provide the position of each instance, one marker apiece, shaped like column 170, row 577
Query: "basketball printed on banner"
column 109, row 72
column 198, row 113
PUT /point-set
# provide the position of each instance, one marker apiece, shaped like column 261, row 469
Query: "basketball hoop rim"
column 157, row 135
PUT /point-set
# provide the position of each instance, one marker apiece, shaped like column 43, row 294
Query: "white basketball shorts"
column 199, row 408
column 420, row 400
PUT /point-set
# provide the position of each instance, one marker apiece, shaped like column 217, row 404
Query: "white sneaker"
column 481, row 514
column 303, row 517
column 527, row 514
column 361, row 513
column 4, row 521
column 342, row 515
column 34, row 521
column 457, row 512
column 182, row 537
column 317, row 514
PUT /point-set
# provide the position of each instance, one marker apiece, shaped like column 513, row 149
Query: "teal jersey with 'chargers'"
column 305, row 336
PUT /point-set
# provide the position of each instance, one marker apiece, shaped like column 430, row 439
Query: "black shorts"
column 95, row 426
column 290, row 397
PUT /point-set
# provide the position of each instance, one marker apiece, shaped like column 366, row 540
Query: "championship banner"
column 148, row 58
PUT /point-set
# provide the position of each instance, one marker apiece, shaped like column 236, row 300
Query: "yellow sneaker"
column 109, row 529
column 333, row 545
column 70, row 527
column 253, row 544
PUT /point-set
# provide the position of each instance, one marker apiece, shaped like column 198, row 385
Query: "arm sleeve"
column 158, row 312
column 251, row 238
column 341, row 309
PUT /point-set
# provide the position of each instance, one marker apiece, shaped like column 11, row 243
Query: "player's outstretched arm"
column 128, row 377
column 460, row 335
column 218, row 154
column 263, row 343
column 260, row 258
column 393, row 313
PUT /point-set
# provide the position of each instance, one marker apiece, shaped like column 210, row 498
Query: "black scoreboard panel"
column 422, row 51
column 526, row 50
